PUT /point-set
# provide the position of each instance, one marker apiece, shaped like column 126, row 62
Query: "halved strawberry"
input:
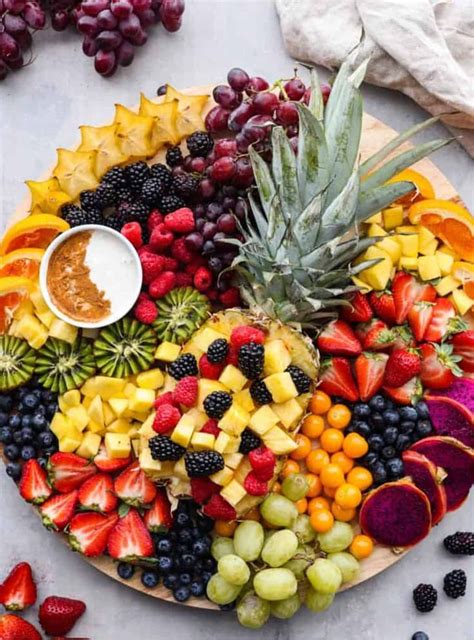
column 133, row 487
column 13, row 627
column 409, row 393
column 336, row 379
column 359, row 311
column 57, row 511
column 338, row 339
column 402, row 366
column 439, row 366
column 110, row 465
column 463, row 345
column 158, row 516
column 34, row 485
column 130, row 539
column 369, row 370
column 362, row 329
column 97, row 494
column 18, row 590
column 406, row 291
column 67, row 471
column 383, row 305
column 89, row 532
column 444, row 322
column 419, row 317
column 379, row 338
column 403, row 337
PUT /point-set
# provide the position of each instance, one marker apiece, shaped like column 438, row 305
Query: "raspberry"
column 180, row 221
column 146, row 248
column 164, row 398
column 183, row 280
column 180, row 251
column 133, row 232
column 166, row 418
column 245, row 334
column 209, row 370
column 161, row 238
column 230, row 298
column 170, row 264
column 211, row 427
column 202, row 279
column 145, row 311
column 154, row 219
column 162, row 284
column 219, row 509
column 232, row 356
column 186, row 391
column 254, row 486
column 263, row 463
column 152, row 266
column 193, row 266
column 213, row 295
column 202, row 489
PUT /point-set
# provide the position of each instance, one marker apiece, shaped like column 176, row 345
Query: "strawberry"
column 130, row 539
column 439, row 366
column 463, row 345
column 383, row 305
column 254, row 486
column 18, row 590
column 57, row 511
column 263, row 463
column 166, row 418
column 202, row 489
column 380, row 337
column 419, row 317
column 443, row 322
column 133, row 487
column 58, row 615
column 158, row 516
column 338, row 339
column 362, row 329
column 359, row 309
column 110, row 465
column 369, row 370
column 180, row 221
column 406, row 291
column 186, row 391
column 219, row 509
column 402, row 365
column 208, row 369
column 409, row 393
column 403, row 337
column 15, row 628
column 34, row 485
column 89, row 532
column 67, row 471
column 244, row 334
column 97, row 494
column 336, row 379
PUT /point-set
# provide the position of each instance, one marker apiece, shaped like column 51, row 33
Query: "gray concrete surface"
column 40, row 109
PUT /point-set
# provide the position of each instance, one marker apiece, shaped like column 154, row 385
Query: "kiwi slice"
column 62, row 366
column 180, row 313
column 17, row 362
column 125, row 348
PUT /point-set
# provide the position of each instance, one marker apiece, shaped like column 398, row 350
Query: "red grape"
column 223, row 169
column 197, row 165
column 9, row 48
column 206, row 189
column 243, row 172
column 60, row 20
column 239, row 116
column 3, row 70
column 89, row 46
column 139, row 39
column 17, row 63
column 125, row 54
column 14, row 6
column 121, row 8
column 24, row 40
column 34, row 15
column 225, row 147
column 242, row 143
column 106, row 19
column 295, row 89
column 265, row 102
column 94, row 7
column 194, row 241
column 294, row 143
column 209, row 230
column 173, row 9
column 226, row 223
column 286, row 113
column 14, row 24
column 105, row 63
column 217, row 119
column 170, row 24
column 226, row 96
column 109, row 40
column 87, row 25
column 237, row 79
column 326, row 91
column 255, row 85
column 130, row 27
column 141, row 5
column 147, row 17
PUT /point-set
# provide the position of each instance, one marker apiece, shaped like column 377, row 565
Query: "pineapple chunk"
column 129, row 390
column 408, row 242
column 233, row 492
column 392, row 217
column 234, row 420
column 119, row 426
column 233, row 378
column 204, row 338
column 147, row 427
column 32, row 330
column 60, row 425
column 89, row 446
column 179, row 469
column 71, row 398
column 205, row 387
column 221, row 442
column 363, row 286
column 429, row 249
column 183, row 431
column 103, row 386
column 63, row 331
column 79, row 417
column 152, row 379
column 289, row 412
column 96, row 410
column 38, row 301
column 167, row 352
column 109, row 415
column 13, row 329
column 119, row 406
column 375, row 231
column 461, row 301
column 199, row 417
column 277, row 357
column 445, row 262
column 46, row 317
column 263, row 420
column 428, row 268
column 202, row 441
column 136, row 447
column 142, row 400
column 445, row 249
column 96, row 428
column 409, row 264
column 281, row 386
column 222, row 477
column 392, row 247
column 279, row 441
column 70, row 443
column 446, row 285
column 425, row 236
column 233, row 460
column 407, row 228
column 374, row 219
column 117, row 445
column 245, row 400
column 378, row 275
column 147, row 463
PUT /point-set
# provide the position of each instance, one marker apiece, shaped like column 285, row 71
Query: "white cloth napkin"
column 424, row 50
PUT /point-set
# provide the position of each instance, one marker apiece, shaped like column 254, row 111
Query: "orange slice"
column 21, row 262
column 449, row 221
column 35, row 231
column 13, row 291
column 464, row 272
column 424, row 188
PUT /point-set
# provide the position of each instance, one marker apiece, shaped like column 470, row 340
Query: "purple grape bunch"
column 18, row 19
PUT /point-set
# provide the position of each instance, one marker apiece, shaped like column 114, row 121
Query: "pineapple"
column 233, row 378
column 63, row 331
column 117, row 445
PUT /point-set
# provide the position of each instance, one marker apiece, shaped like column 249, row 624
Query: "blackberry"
column 152, row 190
column 251, row 360
column 203, row 463
column 200, row 143
column 74, row 216
column 185, row 185
column 260, row 393
column 301, row 381
column 170, row 203
column 454, row 583
column 185, row 365
column 163, row 448
column 124, row 195
column 133, row 212
column 425, row 597
column 248, row 441
column 137, row 173
column 89, row 201
column 217, row 351
column 174, row 156
column 217, row 403
column 106, row 195
column 116, row 177
column 162, row 173
column 115, row 221
column 460, row 543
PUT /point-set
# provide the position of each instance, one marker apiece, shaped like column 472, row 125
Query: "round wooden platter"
column 374, row 136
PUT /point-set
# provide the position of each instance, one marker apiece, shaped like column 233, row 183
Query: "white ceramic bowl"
column 129, row 294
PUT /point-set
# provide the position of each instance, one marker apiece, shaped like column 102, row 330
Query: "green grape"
column 347, row 564
column 287, row 608
column 298, row 566
column 303, row 529
column 248, row 540
column 318, row 601
column 338, row 538
column 280, row 548
column 295, row 486
column 221, row 547
column 220, row 591
column 324, row 575
column 233, row 569
column 279, row 511
column 252, row 611
column 275, row 584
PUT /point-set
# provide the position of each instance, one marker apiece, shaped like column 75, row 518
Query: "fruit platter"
column 236, row 345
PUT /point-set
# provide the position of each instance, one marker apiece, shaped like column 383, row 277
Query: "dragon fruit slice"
column 427, row 478
column 456, row 459
column 450, row 418
column 462, row 390
column 396, row 514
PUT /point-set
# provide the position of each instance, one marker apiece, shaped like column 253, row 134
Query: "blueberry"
column 362, row 428
column 46, row 439
column 228, row 607
column 48, row 396
column 181, row 549
column 195, row 533
column 390, row 434
column 13, row 470
column 27, row 421
column 197, row 588
column 377, row 403
column 150, row 579
column 171, row 581
column 164, row 546
column 422, row 409
column 187, row 561
column 394, row 468
column 361, row 410
column 6, row 435
column 185, row 579
column 375, row 442
column 181, row 594
column 21, row 408
column 12, row 452
column 17, row 439
column 408, row 413
column 6, row 402
column 206, row 576
column 30, row 402
column 204, row 523
column 125, row 570
column 185, row 535
column 28, row 452
column 420, row 635
column 402, row 442
column 377, row 421
column 173, row 536
column 423, row 428
column 51, row 409
column 182, row 520
column 43, row 462
column 201, row 547
column 48, row 451
column 14, row 421
column 198, row 567
column 27, row 435
column 3, row 418
column 39, row 422
column 165, row 564
column 379, row 473
column 210, row 564
column 388, row 452
column 391, row 416
column 406, row 426
column 369, row 459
